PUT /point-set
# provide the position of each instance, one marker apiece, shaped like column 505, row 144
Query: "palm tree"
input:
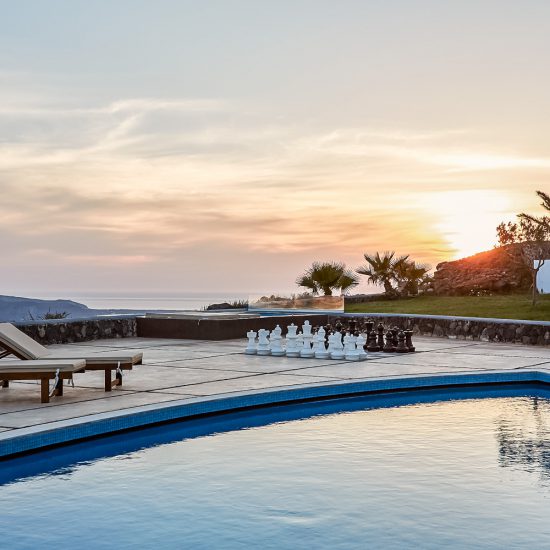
column 381, row 270
column 408, row 275
column 328, row 276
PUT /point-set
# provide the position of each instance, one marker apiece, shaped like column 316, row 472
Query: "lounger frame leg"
column 44, row 390
column 108, row 385
column 59, row 387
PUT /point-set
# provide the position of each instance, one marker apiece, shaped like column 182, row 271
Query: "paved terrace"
column 173, row 370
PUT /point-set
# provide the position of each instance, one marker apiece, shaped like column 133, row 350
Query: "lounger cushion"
column 18, row 366
column 19, row 342
column 101, row 358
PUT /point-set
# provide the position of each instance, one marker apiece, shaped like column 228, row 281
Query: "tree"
column 328, row 276
column 409, row 275
column 532, row 233
column 381, row 270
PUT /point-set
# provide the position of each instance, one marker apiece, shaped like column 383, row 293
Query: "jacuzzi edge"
column 67, row 431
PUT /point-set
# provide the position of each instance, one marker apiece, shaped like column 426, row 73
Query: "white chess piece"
column 263, row 342
column 360, row 342
column 276, row 343
column 251, row 347
column 337, row 347
column 299, row 341
column 292, row 349
column 306, row 328
column 350, row 351
column 306, row 351
column 319, row 349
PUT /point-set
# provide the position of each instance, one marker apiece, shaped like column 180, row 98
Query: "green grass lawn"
column 514, row 306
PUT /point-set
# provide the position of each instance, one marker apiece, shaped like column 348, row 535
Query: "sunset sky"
column 225, row 145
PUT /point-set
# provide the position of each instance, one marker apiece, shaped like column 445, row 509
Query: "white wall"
column 543, row 277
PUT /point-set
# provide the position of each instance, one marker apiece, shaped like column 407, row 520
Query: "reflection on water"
column 523, row 435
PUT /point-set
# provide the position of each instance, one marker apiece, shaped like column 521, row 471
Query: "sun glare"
column 466, row 220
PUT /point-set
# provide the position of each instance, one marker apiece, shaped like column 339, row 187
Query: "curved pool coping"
column 63, row 432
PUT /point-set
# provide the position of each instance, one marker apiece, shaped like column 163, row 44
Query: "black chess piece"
column 372, row 344
column 338, row 326
column 408, row 340
column 380, row 329
column 352, row 326
column 389, row 347
column 401, row 345
column 370, row 325
column 395, row 332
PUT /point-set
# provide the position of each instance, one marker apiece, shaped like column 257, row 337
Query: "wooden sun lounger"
column 43, row 370
column 15, row 342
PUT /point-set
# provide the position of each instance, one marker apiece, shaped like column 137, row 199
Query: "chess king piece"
column 380, row 341
column 263, row 342
column 251, row 347
column 408, row 340
column 319, row 349
column 401, row 346
column 389, row 347
column 307, row 336
column 306, row 328
column 276, row 342
column 360, row 343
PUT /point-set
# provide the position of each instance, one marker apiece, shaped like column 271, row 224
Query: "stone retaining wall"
column 464, row 328
column 79, row 330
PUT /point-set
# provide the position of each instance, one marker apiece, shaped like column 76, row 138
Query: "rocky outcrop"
column 499, row 270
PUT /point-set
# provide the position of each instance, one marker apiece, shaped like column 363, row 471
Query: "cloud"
column 145, row 182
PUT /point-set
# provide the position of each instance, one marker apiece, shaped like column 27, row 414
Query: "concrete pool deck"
column 194, row 372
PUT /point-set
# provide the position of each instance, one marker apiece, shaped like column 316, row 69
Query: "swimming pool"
column 415, row 470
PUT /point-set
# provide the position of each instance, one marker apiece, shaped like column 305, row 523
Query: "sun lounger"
column 43, row 370
column 15, row 342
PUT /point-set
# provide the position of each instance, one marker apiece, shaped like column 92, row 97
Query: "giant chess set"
column 326, row 342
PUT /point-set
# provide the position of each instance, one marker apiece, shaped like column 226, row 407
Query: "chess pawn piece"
column 319, row 349
column 408, row 340
column 360, row 343
column 380, row 330
column 278, row 330
column 350, row 352
column 251, row 347
column 395, row 332
column 263, row 342
column 292, row 349
column 299, row 341
column 372, row 344
column 401, row 346
column 276, row 343
column 306, row 352
column 337, row 349
column 389, row 347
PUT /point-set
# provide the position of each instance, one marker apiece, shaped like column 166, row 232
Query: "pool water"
column 454, row 473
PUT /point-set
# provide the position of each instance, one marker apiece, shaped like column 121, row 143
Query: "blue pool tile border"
column 67, row 431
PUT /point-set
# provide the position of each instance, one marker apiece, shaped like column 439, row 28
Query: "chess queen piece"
column 360, row 343
column 292, row 349
column 276, row 341
column 389, row 347
column 263, row 342
column 408, row 340
column 401, row 346
column 251, row 347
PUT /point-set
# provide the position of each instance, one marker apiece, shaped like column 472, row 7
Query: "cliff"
column 499, row 270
